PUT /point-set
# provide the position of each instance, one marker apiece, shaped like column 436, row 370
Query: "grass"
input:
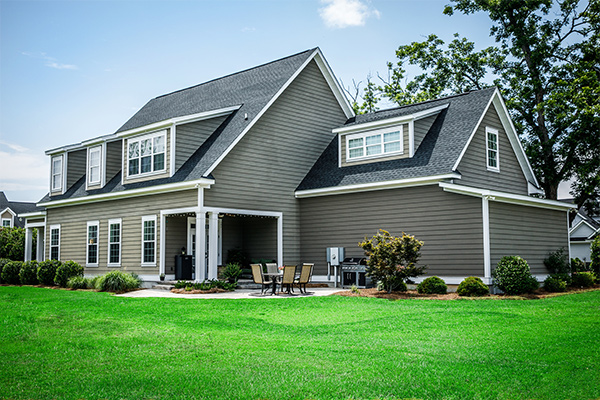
column 59, row 344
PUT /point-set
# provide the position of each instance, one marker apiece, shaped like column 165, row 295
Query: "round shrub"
column 78, row 282
column 3, row 262
column 117, row 281
column 67, row 270
column 47, row 271
column 10, row 272
column 554, row 284
column 472, row 287
column 580, row 279
column 512, row 276
column 28, row 274
column 432, row 285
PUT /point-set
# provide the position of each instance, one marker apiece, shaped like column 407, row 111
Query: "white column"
column 487, row 262
column 200, row 246
column 39, row 254
column 28, row 244
column 163, row 224
column 280, row 240
column 213, row 244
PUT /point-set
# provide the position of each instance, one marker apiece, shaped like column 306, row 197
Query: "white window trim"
column 112, row 222
column 87, row 245
column 10, row 222
column 53, row 227
column 139, row 139
column 98, row 149
column 144, row 219
column 489, row 130
column 381, row 132
column 53, row 173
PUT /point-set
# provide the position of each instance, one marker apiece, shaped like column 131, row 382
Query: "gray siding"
column 150, row 177
column 175, row 239
column 265, row 167
column 405, row 154
column 451, row 226
column 76, row 166
column 114, row 155
column 421, row 127
column 473, row 166
column 73, row 221
column 528, row 232
column 189, row 138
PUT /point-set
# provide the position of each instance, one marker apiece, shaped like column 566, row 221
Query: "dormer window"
column 94, row 157
column 56, row 173
column 146, row 154
column 493, row 163
column 374, row 144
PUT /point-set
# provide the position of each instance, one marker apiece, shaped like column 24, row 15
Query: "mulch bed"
column 198, row 291
column 412, row 294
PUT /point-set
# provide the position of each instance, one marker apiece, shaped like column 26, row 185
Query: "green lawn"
column 64, row 344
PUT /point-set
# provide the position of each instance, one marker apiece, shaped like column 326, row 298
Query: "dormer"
column 383, row 139
column 67, row 166
column 103, row 160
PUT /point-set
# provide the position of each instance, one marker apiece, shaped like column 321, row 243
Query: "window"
column 6, row 222
column 114, row 242
column 492, row 149
column 147, row 154
column 374, row 144
column 92, row 243
column 57, row 173
column 94, row 155
column 149, row 240
column 55, row 242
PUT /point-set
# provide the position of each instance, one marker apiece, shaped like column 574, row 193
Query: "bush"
column 432, row 285
column 391, row 259
column 512, row 276
column 47, row 271
column 78, row 282
column 558, row 262
column 577, row 265
column 566, row 278
column 232, row 272
column 117, row 281
column 67, row 270
column 580, row 279
column 28, row 274
column 3, row 262
column 10, row 272
column 554, row 284
column 12, row 243
column 472, row 287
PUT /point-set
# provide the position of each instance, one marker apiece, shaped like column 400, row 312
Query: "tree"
column 547, row 66
column 392, row 260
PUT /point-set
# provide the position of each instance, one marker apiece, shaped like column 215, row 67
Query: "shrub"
column 47, row 271
column 577, row 265
column 93, row 281
column 554, row 284
column 472, row 287
column 3, row 262
column 78, row 282
column 10, row 272
column 580, row 279
column 595, row 255
column 117, row 281
column 232, row 272
column 28, row 273
column 557, row 262
column 432, row 285
column 67, row 270
column 12, row 243
column 512, row 276
column 391, row 259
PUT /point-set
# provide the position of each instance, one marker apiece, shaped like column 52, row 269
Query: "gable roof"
column 246, row 94
column 16, row 208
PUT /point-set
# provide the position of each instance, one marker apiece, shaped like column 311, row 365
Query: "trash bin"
column 183, row 267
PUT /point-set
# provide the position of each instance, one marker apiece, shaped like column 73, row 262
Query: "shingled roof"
column 18, row 207
column 436, row 155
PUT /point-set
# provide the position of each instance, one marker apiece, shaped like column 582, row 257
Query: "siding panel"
column 76, row 166
column 114, row 155
column 189, row 138
column 421, row 128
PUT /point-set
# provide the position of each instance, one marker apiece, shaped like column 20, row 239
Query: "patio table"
column 274, row 277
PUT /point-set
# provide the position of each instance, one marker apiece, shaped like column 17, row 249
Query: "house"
column 10, row 211
column 272, row 161
column 584, row 229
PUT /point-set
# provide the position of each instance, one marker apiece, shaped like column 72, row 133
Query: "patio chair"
column 257, row 275
column 287, row 280
column 305, row 276
column 271, row 268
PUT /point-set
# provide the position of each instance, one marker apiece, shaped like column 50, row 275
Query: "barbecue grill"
column 354, row 273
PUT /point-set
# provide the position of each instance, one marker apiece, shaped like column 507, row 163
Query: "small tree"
column 392, row 260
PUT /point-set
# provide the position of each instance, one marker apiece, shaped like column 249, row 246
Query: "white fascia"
column 390, row 121
column 333, row 83
column 186, row 119
column 366, row 187
column 35, row 214
column 9, row 210
column 593, row 234
column 573, row 229
column 167, row 188
column 506, row 197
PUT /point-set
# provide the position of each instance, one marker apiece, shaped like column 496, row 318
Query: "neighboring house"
column 272, row 160
column 10, row 212
column 584, row 229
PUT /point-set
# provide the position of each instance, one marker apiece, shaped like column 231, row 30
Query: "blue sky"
column 73, row 70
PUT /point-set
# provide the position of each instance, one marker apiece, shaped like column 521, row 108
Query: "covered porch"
column 34, row 222
column 223, row 233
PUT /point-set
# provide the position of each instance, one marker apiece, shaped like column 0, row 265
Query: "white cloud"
column 50, row 61
column 338, row 14
column 23, row 170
